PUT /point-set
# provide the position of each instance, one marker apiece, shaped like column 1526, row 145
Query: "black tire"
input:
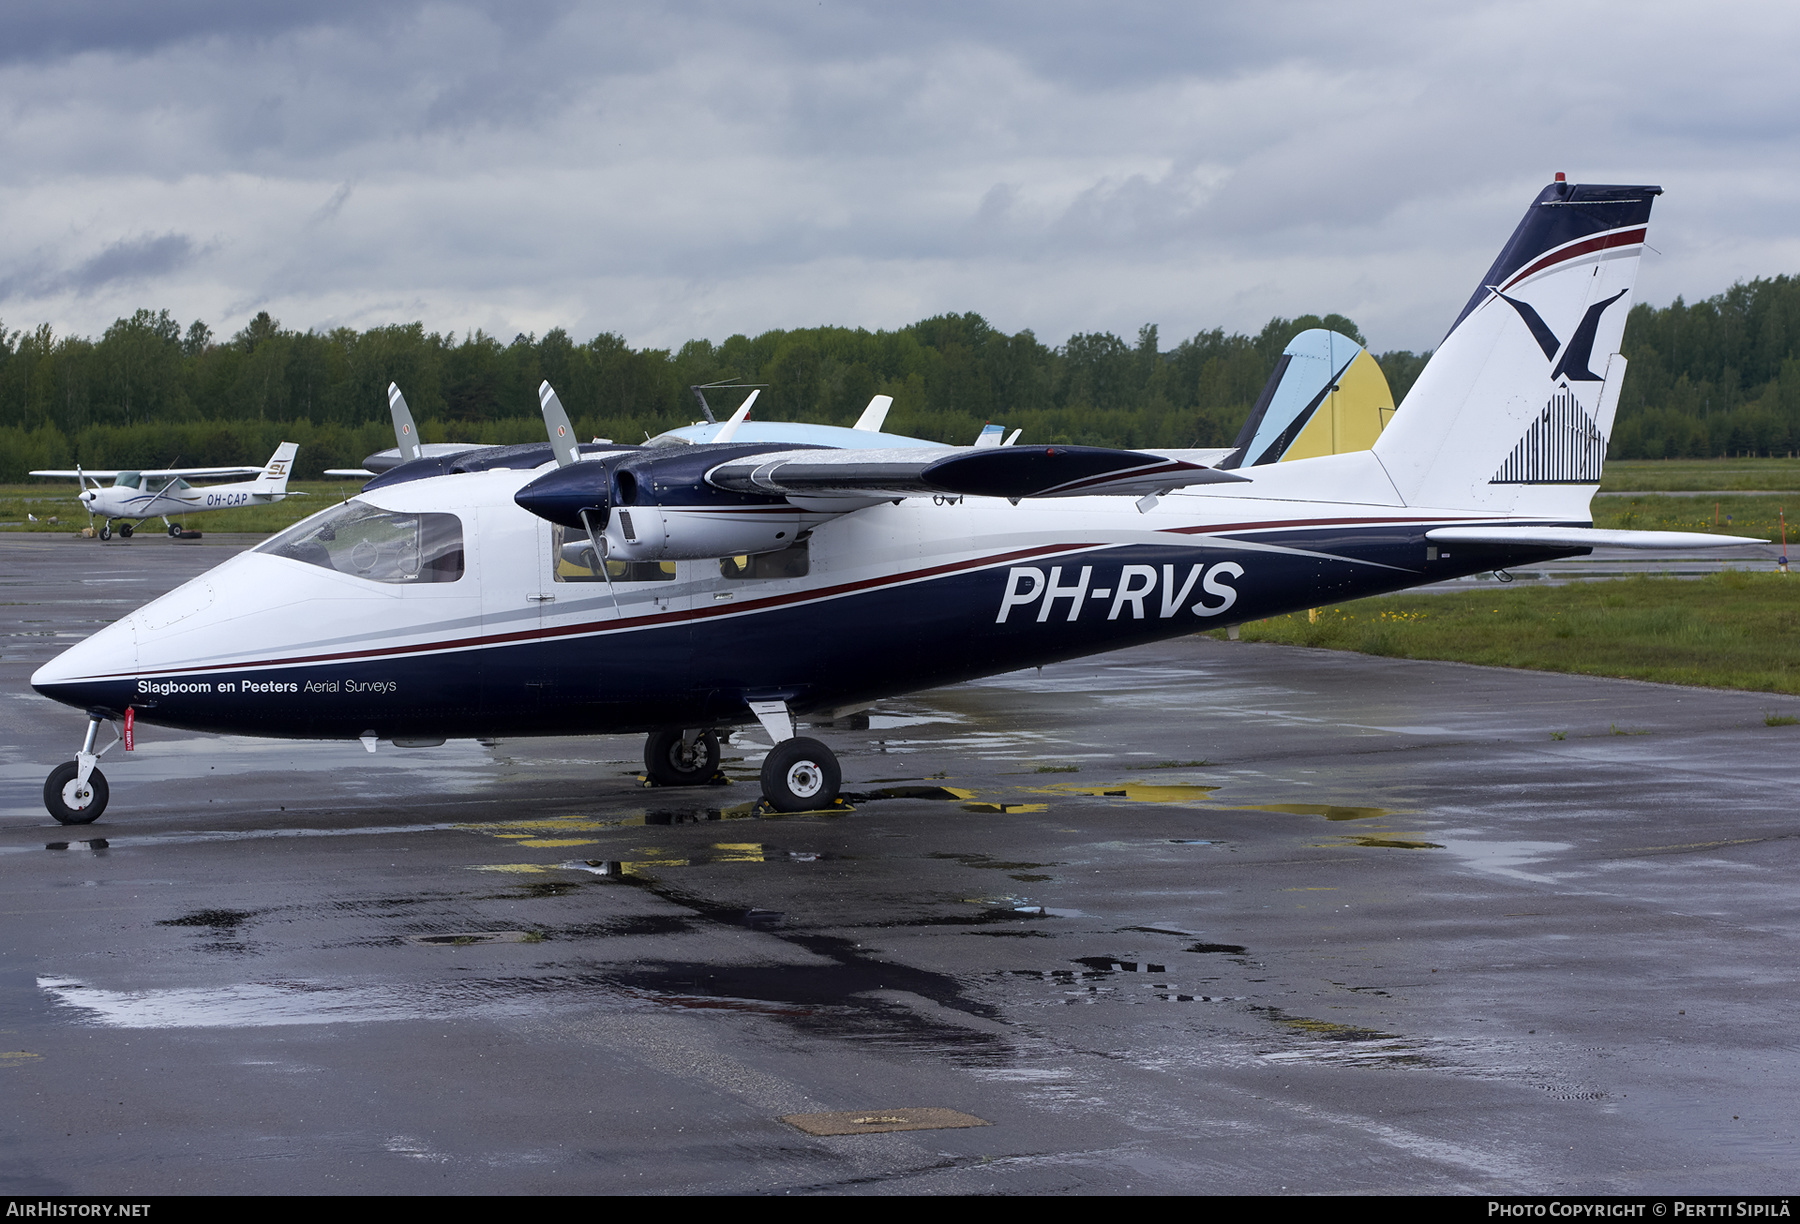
column 800, row 775
column 125, row 531
column 69, row 808
column 670, row 764
column 106, row 531
column 174, row 531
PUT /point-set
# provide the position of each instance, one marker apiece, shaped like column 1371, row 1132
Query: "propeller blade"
column 563, row 443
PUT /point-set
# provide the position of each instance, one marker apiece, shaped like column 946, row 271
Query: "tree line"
column 1718, row 377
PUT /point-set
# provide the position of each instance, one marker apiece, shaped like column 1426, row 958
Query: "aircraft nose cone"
column 562, row 494
column 98, row 672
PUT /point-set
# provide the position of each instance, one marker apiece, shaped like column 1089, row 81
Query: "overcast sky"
column 674, row 170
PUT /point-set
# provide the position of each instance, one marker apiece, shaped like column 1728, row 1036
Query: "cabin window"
column 380, row 545
column 573, row 555
column 127, row 480
column 790, row 562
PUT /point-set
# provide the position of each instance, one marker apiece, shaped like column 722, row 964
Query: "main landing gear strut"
column 76, row 791
column 798, row 775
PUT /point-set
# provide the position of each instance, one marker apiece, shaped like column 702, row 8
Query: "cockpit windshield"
column 128, row 480
column 380, row 545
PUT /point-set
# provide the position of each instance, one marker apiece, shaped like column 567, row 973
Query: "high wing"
column 995, row 471
column 1584, row 537
column 148, row 473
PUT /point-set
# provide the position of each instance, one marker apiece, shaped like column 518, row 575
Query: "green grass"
column 1744, row 514
column 57, row 501
column 1732, row 630
column 1650, row 475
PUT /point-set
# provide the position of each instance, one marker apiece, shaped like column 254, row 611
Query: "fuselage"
column 149, row 497
column 510, row 636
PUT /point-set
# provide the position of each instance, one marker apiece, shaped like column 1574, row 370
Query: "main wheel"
column 800, row 775
column 670, row 762
column 174, row 531
column 126, row 530
column 106, row 531
column 72, row 804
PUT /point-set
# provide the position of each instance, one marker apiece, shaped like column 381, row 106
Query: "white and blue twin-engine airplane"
column 682, row 588
column 140, row 495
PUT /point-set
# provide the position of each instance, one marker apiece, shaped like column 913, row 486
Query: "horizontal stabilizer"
column 1585, row 537
column 364, row 472
column 1012, row 471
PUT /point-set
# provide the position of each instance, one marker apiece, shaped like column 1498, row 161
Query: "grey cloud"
column 132, row 259
column 128, row 261
column 661, row 169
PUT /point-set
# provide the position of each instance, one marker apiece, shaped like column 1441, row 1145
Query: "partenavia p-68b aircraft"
column 680, row 589
column 158, row 494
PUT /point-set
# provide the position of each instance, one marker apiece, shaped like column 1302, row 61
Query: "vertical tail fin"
column 1326, row 396
column 1512, row 413
column 274, row 476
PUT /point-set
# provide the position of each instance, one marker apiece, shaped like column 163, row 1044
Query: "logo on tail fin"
column 1563, row 446
column 1573, row 364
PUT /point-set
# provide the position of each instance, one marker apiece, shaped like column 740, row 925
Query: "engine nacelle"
column 657, row 506
column 693, row 533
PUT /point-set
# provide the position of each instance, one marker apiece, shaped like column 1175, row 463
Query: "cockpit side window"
column 128, row 480
column 573, row 554
column 380, row 545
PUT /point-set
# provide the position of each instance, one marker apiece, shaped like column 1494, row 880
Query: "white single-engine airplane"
column 146, row 495
column 679, row 589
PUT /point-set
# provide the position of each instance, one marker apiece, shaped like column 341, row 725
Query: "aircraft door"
column 517, row 594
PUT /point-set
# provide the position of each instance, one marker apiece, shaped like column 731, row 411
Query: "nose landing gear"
column 76, row 791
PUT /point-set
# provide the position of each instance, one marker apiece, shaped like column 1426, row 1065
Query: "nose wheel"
column 74, row 801
column 106, row 530
column 76, row 791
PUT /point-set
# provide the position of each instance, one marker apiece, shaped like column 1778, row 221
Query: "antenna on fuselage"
column 700, row 390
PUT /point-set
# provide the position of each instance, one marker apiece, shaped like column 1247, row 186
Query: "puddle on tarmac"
column 1389, row 843
column 1507, row 858
column 313, row 1001
column 1096, row 983
column 1324, row 1041
column 212, row 919
column 1328, row 811
column 465, row 939
column 96, row 845
column 651, row 858
column 1136, row 792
